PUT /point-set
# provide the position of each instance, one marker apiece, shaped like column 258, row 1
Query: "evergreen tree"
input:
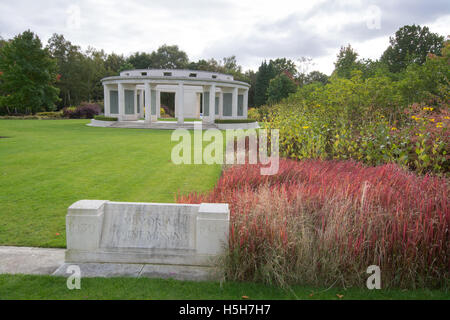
column 279, row 88
column 266, row 72
column 28, row 75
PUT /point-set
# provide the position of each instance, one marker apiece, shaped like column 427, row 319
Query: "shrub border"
column 103, row 118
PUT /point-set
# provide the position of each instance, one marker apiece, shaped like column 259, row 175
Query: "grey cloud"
column 17, row 16
column 302, row 41
column 110, row 24
column 187, row 9
column 394, row 14
column 285, row 37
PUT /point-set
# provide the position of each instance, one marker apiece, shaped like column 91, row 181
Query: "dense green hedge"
column 50, row 114
column 19, row 117
column 103, row 118
column 38, row 116
column 234, row 120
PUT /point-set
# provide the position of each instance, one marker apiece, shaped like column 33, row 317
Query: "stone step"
column 159, row 125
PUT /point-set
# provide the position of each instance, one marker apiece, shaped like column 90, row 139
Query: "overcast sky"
column 252, row 30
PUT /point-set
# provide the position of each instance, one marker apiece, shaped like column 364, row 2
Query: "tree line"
column 407, row 51
column 36, row 78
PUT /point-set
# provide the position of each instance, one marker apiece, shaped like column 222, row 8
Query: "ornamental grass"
column 322, row 223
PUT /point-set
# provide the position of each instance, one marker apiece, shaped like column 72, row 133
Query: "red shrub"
column 84, row 111
column 318, row 221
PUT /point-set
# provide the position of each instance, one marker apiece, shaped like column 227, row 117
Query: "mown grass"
column 45, row 166
column 48, row 287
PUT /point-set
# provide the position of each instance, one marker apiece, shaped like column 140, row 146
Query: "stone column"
column 121, row 98
column 106, row 101
column 141, row 103
column 212, row 230
column 220, row 104
column 84, row 222
column 135, row 101
column 153, row 102
column 180, row 105
column 212, row 103
column 245, row 104
column 205, row 101
column 234, row 103
column 158, row 103
column 148, row 109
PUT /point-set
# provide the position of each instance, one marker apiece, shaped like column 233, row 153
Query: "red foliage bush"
column 319, row 222
column 84, row 111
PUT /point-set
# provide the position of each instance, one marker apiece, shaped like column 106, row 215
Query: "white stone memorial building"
column 135, row 94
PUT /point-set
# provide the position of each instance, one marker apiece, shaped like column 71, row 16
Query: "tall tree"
column 2, row 42
column 316, row 76
column 71, row 68
column 428, row 82
column 113, row 64
column 205, row 65
column 411, row 44
column 266, row 72
column 28, row 75
column 279, row 88
column 94, row 71
column 201, row 64
column 250, row 76
column 126, row 66
column 346, row 62
column 230, row 65
column 303, row 67
column 140, row 60
column 169, row 57
column 284, row 65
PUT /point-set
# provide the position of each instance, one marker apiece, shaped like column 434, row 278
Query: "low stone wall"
column 100, row 231
column 100, row 123
column 225, row 126
column 171, row 125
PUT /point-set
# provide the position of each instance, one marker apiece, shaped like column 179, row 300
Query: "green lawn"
column 46, row 165
column 48, row 287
